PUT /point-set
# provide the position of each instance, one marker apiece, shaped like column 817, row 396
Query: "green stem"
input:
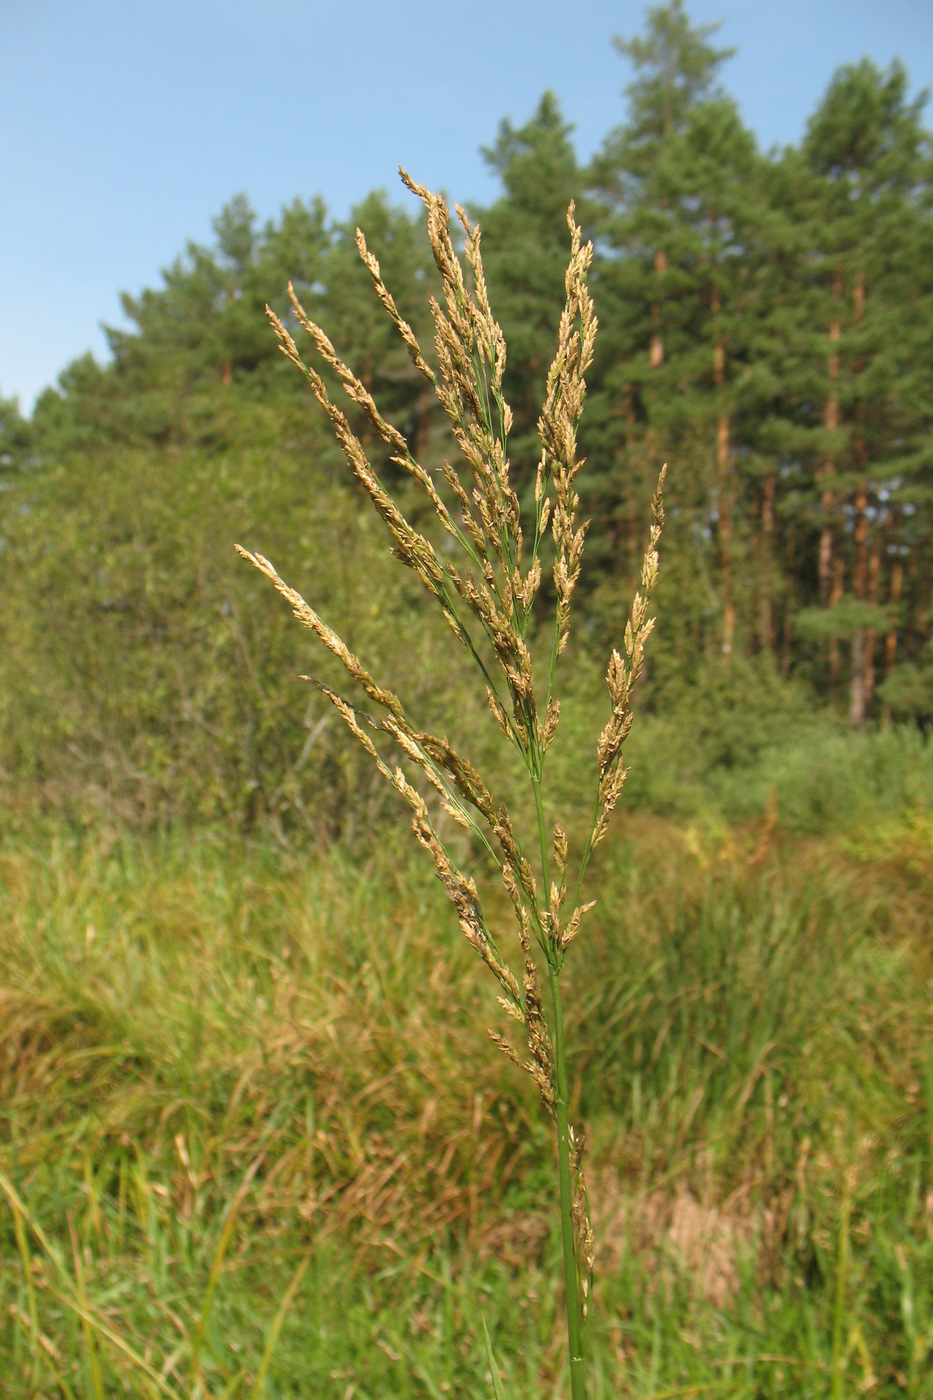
column 571, row 1278
column 842, row 1272
column 561, row 1098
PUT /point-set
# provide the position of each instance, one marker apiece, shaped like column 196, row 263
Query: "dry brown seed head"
column 548, row 729
column 616, row 678
column 573, row 926
column 498, row 713
column 510, row 1008
column 286, row 343
column 560, row 848
column 506, row 1047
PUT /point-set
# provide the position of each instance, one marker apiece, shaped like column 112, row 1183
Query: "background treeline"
column 766, row 328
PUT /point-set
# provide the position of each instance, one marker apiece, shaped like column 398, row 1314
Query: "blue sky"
column 125, row 125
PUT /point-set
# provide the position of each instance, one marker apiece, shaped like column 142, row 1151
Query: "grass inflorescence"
column 490, row 595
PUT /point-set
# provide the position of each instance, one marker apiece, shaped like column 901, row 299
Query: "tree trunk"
column 862, row 642
column 827, row 469
column 723, row 486
column 787, row 630
column 656, row 351
column 725, row 533
column 766, row 607
column 859, row 692
column 871, row 636
column 857, row 684
column 894, row 597
column 837, row 588
column 829, row 569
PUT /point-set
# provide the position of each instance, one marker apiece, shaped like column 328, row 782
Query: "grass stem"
column 567, row 1232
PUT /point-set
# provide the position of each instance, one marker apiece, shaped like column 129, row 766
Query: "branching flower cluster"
column 488, row 599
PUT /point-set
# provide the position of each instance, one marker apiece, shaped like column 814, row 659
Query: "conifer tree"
column 676, row 69
column 865, row 147
column 675, row 192
column 16, row 437
column 524, row 251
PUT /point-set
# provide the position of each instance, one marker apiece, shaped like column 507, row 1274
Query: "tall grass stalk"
column 487, row 585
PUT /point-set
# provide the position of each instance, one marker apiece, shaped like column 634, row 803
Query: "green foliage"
column 525, row 254
column 15, row 440
column 908, row 692
column 765, row 327
column 676, row 66
column 144, row 680
column 196, row 1175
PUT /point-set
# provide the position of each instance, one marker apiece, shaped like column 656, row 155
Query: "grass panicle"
column 490, row 594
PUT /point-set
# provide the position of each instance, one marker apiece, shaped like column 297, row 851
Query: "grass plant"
column 490, row 595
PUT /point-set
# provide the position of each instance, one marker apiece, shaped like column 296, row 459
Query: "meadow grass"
column 233, row 1138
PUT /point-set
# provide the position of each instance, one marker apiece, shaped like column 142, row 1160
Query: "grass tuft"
column 381, row 1143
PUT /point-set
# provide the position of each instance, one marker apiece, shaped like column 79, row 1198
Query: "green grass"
column 240, row 1156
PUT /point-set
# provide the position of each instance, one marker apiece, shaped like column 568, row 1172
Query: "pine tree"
column 16, row 439
column 676, row 189
column 525, row 253
column 676, row 69
column 865, row 148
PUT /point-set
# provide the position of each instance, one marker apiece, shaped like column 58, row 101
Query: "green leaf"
column 497, row 1390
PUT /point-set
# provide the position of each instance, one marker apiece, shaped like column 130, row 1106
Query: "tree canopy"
column 766, row 328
